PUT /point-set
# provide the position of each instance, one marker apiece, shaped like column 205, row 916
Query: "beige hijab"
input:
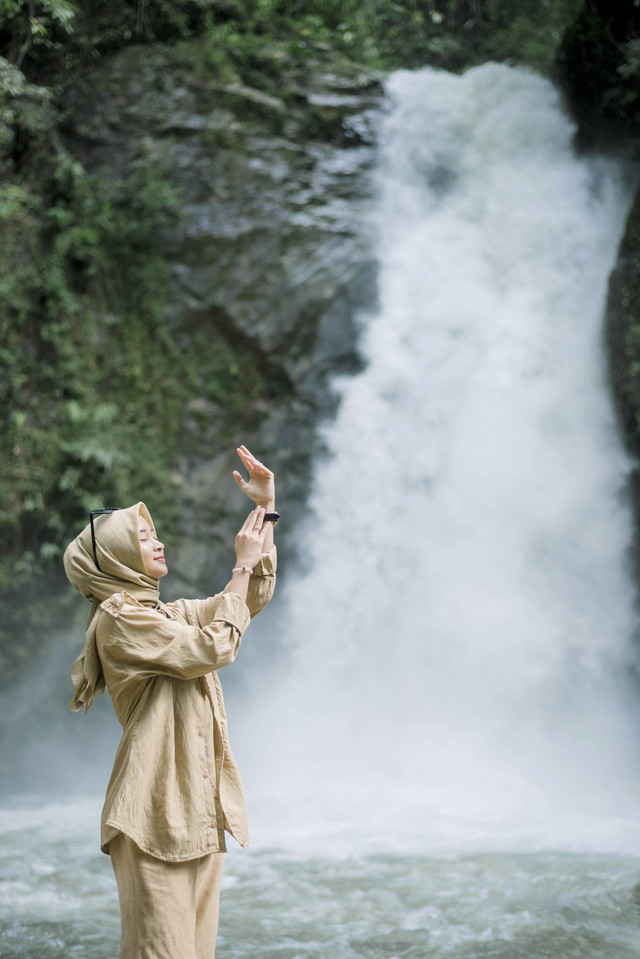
column 122, row 565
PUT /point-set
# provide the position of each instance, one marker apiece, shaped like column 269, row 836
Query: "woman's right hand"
column 250, row 538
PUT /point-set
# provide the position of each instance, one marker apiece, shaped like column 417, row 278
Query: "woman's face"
column 152, row 550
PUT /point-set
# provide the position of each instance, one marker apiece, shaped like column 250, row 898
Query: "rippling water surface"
column 58, row 894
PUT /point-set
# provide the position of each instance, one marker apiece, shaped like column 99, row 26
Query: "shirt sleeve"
column 262, row 582
column 148, row 643
column 259, row 591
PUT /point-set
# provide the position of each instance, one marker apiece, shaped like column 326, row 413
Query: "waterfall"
column 440, row 748
column 462, row 634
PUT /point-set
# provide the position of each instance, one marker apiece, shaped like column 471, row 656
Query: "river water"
column 444, row 761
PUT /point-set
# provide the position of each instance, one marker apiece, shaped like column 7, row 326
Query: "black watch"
column 271, row 518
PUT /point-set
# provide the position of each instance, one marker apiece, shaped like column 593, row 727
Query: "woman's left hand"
column 261, row 486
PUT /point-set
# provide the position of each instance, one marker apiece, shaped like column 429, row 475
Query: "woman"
column 175, row 788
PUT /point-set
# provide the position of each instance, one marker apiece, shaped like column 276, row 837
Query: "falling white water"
column 462, row 636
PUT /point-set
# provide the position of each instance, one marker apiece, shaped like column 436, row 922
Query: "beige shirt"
column 175, row 786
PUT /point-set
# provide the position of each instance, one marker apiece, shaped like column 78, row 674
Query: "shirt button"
column 213, row 825
column 200, row 733
column 205, row 775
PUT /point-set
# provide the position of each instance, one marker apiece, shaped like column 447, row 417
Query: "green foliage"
column 457, row 33
column 31, row 28
column 91, row 411
column 93, row 387
column 62, row 36
column 623, row 98
column 529, row 39
column 90, row 387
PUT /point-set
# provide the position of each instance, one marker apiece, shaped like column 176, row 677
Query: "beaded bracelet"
column 242, row 569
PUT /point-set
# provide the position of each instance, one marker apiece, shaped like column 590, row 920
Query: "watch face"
column 271, row 518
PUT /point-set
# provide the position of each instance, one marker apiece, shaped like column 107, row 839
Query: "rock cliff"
column 270, row 266
column 598, row 67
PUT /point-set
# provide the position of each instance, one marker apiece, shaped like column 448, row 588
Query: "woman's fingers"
column 253, row 465
column 250, row 539
column 250, row 521
column 254, row 519
column 245, row 455
column 265, row 529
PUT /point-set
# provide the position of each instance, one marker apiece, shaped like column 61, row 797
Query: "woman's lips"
column 159, row 559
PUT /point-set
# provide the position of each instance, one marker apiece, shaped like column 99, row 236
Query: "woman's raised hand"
column 260, row 487
column 250, row 538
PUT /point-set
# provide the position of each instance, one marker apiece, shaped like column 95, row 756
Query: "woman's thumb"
column 238, row 478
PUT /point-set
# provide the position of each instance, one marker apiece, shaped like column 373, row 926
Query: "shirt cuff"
column 267, row 564
column 232, row 609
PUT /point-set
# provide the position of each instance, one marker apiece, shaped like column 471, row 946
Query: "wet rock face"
column 599, row 71
column 598, row 67
column 270, row 260
column 622, row 326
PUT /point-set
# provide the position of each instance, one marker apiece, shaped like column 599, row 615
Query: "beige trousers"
column 168, row 910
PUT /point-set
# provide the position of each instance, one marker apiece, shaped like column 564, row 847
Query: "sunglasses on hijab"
column 97, row 512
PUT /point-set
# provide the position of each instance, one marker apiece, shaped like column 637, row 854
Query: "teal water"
column 58, row 898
